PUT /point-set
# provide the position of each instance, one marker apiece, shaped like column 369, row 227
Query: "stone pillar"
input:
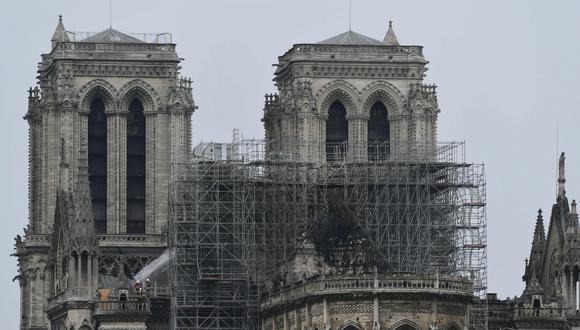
column 569, row 282
column 297, row 320
column 70, row 272
column 116, row 171
column 563, row 283
column 397, row 138
column 162, row 170
column 79, row 273
column 326, row 316
column 307, row 315
column 51, row 163
column 90, row 275
column 376, row 316
column 574, row 293
column 151, row 167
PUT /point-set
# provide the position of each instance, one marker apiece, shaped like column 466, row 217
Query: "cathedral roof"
column 111, row 35
column 351, row 38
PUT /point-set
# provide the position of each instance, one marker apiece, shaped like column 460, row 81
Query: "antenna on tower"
column 110, row 14
column 557, row 153
column 350, row 15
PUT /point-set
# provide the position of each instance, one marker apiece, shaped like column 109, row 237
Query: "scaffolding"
column 239, row 225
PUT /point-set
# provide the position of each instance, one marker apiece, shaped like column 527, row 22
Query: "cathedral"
column 348, row 215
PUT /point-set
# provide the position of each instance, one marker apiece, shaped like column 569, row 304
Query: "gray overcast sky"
column 507, row 73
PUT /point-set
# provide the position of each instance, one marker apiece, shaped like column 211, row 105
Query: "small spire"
column 390, row 37
column 574, row 207
column 59, row 33
column 539, row 234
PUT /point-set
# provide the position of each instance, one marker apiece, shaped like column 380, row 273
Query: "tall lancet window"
column 336, row 132
column 136, row 169
column 97, row 154
column 378, row 132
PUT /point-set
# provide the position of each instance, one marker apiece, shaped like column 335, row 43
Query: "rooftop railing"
column 122, row 306
column 540, row 313
column 154, row 38
column 368, row 284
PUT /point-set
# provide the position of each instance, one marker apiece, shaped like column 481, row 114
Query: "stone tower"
column 351, row 138
column 109, row 114
column 352, row 97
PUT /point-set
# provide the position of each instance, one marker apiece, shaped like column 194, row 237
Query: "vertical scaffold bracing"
column 237, row 225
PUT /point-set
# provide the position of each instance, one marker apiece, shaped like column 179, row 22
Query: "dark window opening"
column 136, row 169
column 405, row 327
column 378, row 132
column 97, row 154
column 351, row 327
column 336, row 132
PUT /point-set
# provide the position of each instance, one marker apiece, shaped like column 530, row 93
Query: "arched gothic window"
column 405, row 327
column 378, row 132
column 350, row 327
column 336, row 132
column 136, row 133
column 97, row 162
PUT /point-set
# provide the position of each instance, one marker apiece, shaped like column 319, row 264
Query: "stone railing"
column 119, row 306
column 37, row 239
column 539, row 313
column 307, row 50
column 125, row 239
column 107, row 47
column 72, row 294
column 337, row 284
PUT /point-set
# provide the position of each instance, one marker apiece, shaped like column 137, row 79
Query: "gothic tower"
column 369, row 218
column 109, row 114
column 353, row 98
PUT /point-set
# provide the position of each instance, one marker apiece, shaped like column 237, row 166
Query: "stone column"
column 563, row 283
column 574, row 293
column 79, row 273
column 90, row 275
column 116, row 171
column 50, row 170
column 307, row 315
column 162, row 171
column 151, row 166
column 376, row 316
column 397, row 138
column 570, row 292
column 297, row 323
column 326, row 315
column 70, row 272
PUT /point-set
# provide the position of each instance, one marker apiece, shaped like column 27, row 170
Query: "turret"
column 537, row 252
column 59, row 33
column 390, row 38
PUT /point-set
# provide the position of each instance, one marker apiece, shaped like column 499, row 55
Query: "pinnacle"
column 390, row 38
column 59, row 33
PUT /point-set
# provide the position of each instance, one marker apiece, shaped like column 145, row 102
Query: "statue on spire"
column 562, row 176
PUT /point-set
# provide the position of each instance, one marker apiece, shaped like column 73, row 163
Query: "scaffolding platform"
column 239, row 222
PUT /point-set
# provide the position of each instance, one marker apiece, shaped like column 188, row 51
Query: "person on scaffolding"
column 147, row 286
column 139, row 293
